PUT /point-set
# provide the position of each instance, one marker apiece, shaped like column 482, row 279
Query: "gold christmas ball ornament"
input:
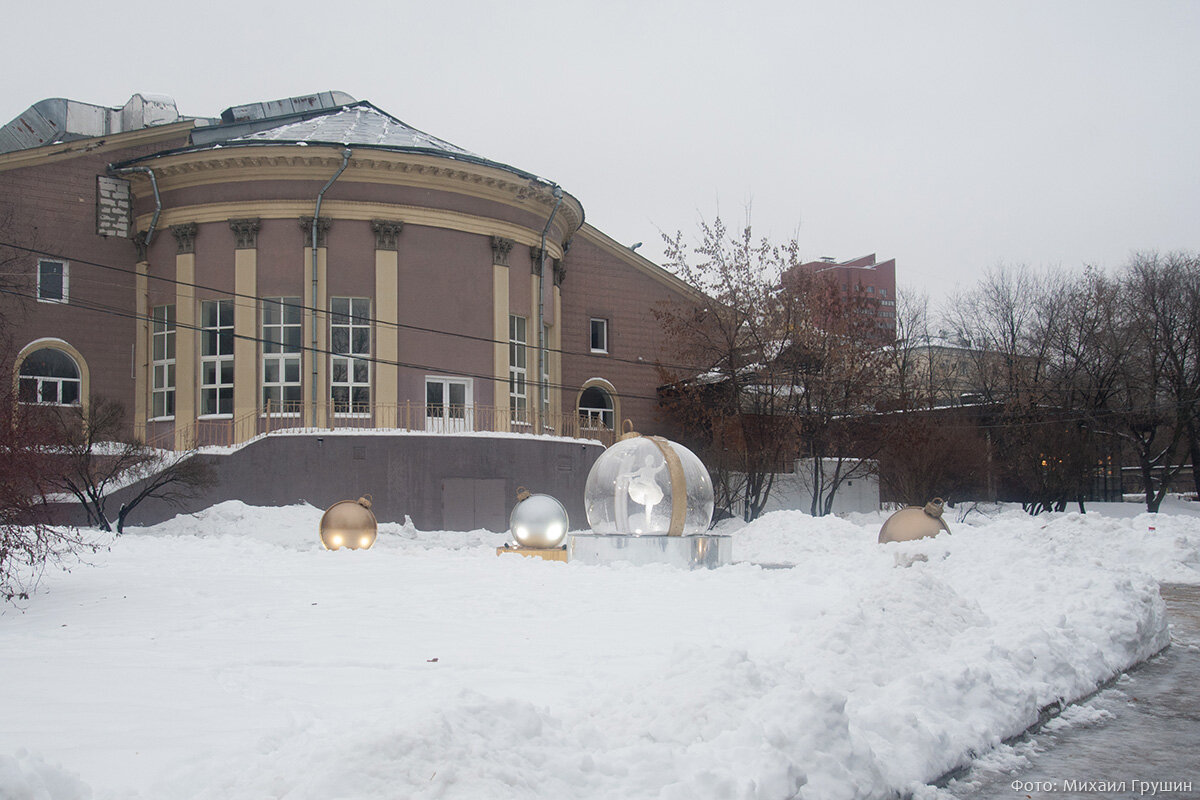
column 350, row 524
column 538, row 521
column 914, row 522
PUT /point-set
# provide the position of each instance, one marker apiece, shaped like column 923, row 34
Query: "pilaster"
column 555, row 344
column 387, row 336
column 500, row 310
column 186, row 337
column 245, row 317
column 245, row 331
column 316, row 414
column 141, row 348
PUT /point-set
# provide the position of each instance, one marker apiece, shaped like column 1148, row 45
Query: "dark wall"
column 441, row 482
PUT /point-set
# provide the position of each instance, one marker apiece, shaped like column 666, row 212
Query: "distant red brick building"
column 872, row 281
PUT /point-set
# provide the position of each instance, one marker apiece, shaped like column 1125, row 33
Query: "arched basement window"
column 595, row 408
column 49, row 376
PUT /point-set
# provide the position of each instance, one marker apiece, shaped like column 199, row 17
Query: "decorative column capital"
column 560, row 272
column 306, row 224
column 535, row 253
column 501, row 247
column 185, row 237
column 245, row 233
column 387, row 233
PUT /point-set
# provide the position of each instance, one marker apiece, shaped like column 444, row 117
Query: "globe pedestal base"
column 547, row 553
column 704, row 551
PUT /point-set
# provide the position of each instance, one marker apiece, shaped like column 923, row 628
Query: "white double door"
column 449, row 405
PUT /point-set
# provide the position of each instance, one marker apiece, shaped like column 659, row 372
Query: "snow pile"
column 227, row 656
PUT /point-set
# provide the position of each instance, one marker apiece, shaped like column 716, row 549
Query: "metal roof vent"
column 60, row 120
column 288, row 105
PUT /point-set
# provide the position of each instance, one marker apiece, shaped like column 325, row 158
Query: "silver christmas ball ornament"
column 538, row 521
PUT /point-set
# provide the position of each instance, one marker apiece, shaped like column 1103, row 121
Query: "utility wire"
column 324, row 311
column 117, row 312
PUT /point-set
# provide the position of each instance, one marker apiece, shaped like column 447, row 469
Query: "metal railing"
column 383, row 417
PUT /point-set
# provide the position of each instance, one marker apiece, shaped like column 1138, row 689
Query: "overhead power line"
column 641, row 362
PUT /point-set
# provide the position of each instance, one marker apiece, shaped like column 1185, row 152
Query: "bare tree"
column 27, row 541
column 834, row 366
column 785, row 365
column 1158, row 394
column 725, row 396
column 98, row 456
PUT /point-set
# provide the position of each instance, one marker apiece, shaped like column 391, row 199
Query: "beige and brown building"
column 173, row 262
column 181, row 266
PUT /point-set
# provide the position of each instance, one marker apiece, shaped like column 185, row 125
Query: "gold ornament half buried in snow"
column 350, row 524
column 914, row 522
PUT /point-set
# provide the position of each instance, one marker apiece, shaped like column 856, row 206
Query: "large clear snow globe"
column 648, row 486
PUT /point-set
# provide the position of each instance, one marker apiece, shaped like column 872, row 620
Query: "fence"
column 407, row 416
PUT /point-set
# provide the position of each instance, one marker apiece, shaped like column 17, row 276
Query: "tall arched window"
column 49, row 375
column 596, row 408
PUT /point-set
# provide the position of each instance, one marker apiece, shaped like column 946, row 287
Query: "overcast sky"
column 952, row 136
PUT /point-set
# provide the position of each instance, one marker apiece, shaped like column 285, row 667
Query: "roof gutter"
column 112, row 170
column 315, row 303
column 543, row 386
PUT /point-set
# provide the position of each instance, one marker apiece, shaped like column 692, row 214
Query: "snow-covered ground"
column 226, row 655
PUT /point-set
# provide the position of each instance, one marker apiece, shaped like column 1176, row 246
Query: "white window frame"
column 450, row 418
column 162, row 365
column 66, row 280
column 353, row 315
column 216, row 393
column 589, row 414
column 592, row 334
column 278, row 356
column 41, row 382
column 518, row 369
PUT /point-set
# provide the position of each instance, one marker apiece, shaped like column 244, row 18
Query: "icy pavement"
column 1140, row 737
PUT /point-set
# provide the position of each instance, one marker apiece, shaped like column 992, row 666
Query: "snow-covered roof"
column 360, row 124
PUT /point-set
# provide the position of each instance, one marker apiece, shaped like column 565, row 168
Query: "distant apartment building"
column 871, row 280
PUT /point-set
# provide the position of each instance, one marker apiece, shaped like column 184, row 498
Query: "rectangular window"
column 350, row 366
column 599, row 335
column 281, row 349
column 518, row 356
column 216, row 358
column 162, row 393
column 52, row 283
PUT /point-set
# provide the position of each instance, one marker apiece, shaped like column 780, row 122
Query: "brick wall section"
column 603, row 284
column 52, row 207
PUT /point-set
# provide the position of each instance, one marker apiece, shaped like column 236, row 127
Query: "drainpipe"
column 542, row 385
column 157, row 198
column 316, row 220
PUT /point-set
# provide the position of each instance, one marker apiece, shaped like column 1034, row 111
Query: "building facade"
column 871, row 283
column 311, row 263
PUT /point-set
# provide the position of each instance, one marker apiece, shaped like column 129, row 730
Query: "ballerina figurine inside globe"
column 649, row 500
column 646, row 485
